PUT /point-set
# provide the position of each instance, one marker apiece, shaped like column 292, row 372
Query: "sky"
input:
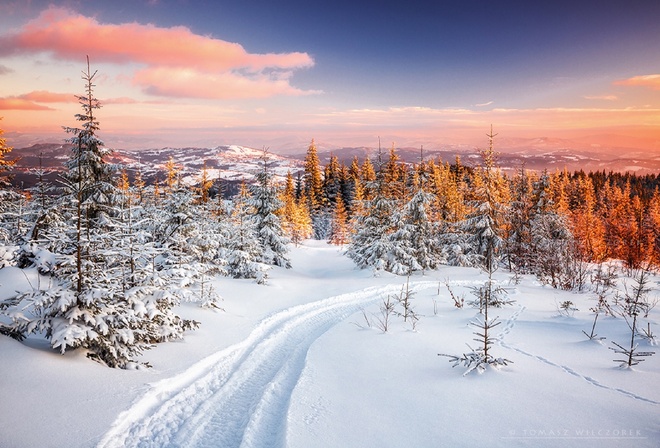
column 277, row 74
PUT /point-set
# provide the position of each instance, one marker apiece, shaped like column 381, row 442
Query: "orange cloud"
column 650, row 81
column 43, row 96
column 14, row 103
column 68, row 35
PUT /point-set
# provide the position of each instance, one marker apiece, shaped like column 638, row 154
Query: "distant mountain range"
column 234, row 164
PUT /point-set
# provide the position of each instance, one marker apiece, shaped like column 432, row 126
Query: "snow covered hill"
column 300, row 362
column 234, row 164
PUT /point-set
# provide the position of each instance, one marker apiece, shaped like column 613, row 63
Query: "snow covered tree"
column 371, row 244
column 518, row 242
column 243, row 245
column 266, row 203
column 368, row 177
column 418, row 232
column 485, row 225
column 393, row 176
column 332, row 181
column 480, row 357
column 12, row 205
column 552, row 254
column 635, row 304
column 139, row 184
column 92, row 303
column 5, row 164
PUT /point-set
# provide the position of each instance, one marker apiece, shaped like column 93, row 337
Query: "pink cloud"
column 43, row 96
column 120, row 100
column 188, row 83
column 177, row 50
column 14, row 103
column 71, row 35
column 650, row 81
column 601, row 97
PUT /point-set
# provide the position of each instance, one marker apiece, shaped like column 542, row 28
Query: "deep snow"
column 294, row 364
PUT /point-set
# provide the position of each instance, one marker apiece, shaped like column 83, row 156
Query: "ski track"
column 510, row 323
column 239, row 397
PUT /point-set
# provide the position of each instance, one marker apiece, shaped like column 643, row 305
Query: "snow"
column 293, row 363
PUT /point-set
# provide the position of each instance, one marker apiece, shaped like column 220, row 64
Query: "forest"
column 117, row 256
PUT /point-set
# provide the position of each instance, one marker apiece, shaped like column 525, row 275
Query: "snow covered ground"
column 294, row 364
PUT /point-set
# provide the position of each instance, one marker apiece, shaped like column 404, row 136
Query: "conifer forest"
column 119, row 255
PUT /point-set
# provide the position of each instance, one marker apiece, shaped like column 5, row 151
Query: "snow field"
column 292, row 364
column 562, row 390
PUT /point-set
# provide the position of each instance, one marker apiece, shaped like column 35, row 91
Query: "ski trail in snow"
column 239, row 397
column 510, row 323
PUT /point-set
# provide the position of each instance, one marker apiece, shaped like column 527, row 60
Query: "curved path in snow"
column 239, row 397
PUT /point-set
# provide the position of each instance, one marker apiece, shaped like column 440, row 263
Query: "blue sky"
column 418, row 71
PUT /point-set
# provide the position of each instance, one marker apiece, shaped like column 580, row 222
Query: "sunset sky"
column 278, row 73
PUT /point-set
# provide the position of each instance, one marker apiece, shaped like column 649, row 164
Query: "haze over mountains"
column 233, row 163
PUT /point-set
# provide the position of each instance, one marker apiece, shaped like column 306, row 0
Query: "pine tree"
column 339, row 233
column 635, row 304
column 332, row 182
column 587, row 226
column 12, row 204
column 485, row 226
column 139, row 183
column 296, row 222
column 243, row 245
column 419, row 233
column 357, row 201
column 371, row 244
column 518, row 241
column 368, row 177
column 393, row 176
column 551, row 250
column 171, row 175
column 313, row 181
column 91, row 303
column 205, row 184
column 651, row 230
column 5, row 165
column 266, row 203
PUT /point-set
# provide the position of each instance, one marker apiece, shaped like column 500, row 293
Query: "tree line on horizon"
column 119, row 256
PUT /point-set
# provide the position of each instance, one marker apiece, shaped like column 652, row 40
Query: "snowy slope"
column 294, row 364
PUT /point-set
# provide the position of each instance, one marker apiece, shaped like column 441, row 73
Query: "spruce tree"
column 484, row 227
column 266, row 203
column 371, row 244
column 243, row 248
column 98, row 299
column 5, row 164
column 339, row 233
column 313, row 181
column 296, row 222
